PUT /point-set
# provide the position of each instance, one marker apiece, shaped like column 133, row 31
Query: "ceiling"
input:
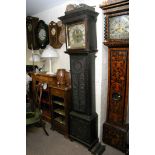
column 36, row 6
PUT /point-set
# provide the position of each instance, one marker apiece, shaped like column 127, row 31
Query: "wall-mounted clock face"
column 42, row 34
column 29, row 27
column 119, row 27
column 53, row 31
column 76, row 36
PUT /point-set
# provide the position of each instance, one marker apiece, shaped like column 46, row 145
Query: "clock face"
column 29, row 27
column 42, row 34
column 76, row 36
column 44, row 86
column 119, row 27
column 53, row 31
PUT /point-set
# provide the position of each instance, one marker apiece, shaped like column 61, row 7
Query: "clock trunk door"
column 118, row 76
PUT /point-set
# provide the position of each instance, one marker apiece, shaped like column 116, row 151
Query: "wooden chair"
column 35, row 117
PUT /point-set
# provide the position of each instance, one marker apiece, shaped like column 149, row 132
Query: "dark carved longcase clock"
column 81, row 45
column 31, row 29
column 116, row 37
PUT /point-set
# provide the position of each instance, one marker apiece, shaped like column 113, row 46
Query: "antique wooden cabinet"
column 60, row 99
column 81, row 45
column 115, row 129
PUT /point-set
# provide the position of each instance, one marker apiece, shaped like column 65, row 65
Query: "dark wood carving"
column 115, row 136
column 84, row 128
column 79, row 78
column 83, row 118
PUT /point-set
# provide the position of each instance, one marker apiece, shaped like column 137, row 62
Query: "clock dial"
column 42, row 34
column 44, row 86
column 119, row 27
column 29, row 27
column 76, row 36
column 53, row 31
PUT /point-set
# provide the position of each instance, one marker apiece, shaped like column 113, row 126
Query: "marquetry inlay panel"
column 118, row 77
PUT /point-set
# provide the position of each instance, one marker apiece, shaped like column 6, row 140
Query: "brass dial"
column 119, row 27
column 76, row 36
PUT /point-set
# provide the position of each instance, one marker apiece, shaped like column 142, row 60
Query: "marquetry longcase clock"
column 116, row 33
column 81, row 45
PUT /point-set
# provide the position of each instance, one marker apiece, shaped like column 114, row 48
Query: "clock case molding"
column 83, row 118
column 115, row 129
column 113, row 9
column 86, row 17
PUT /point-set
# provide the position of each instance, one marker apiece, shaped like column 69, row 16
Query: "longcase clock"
column 115, row 129
column 31, row 29
column 81, row 45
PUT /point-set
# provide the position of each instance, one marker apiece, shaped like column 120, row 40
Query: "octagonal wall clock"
column 42, row 34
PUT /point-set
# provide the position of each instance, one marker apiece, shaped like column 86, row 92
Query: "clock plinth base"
column 83, row 128
column 115, row 136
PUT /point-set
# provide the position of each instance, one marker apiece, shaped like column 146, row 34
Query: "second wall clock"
column 42, row 34
column 54, row 33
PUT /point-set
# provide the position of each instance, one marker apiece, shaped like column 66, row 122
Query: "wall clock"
column 76, row 36
column 31, row 28
column 42, row 34
column 54, row 32
column 115, row 129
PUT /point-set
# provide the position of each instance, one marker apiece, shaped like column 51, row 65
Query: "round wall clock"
column 42, row 34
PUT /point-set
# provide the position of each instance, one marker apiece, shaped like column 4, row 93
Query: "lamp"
column 49, row 53
column 34, row 58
